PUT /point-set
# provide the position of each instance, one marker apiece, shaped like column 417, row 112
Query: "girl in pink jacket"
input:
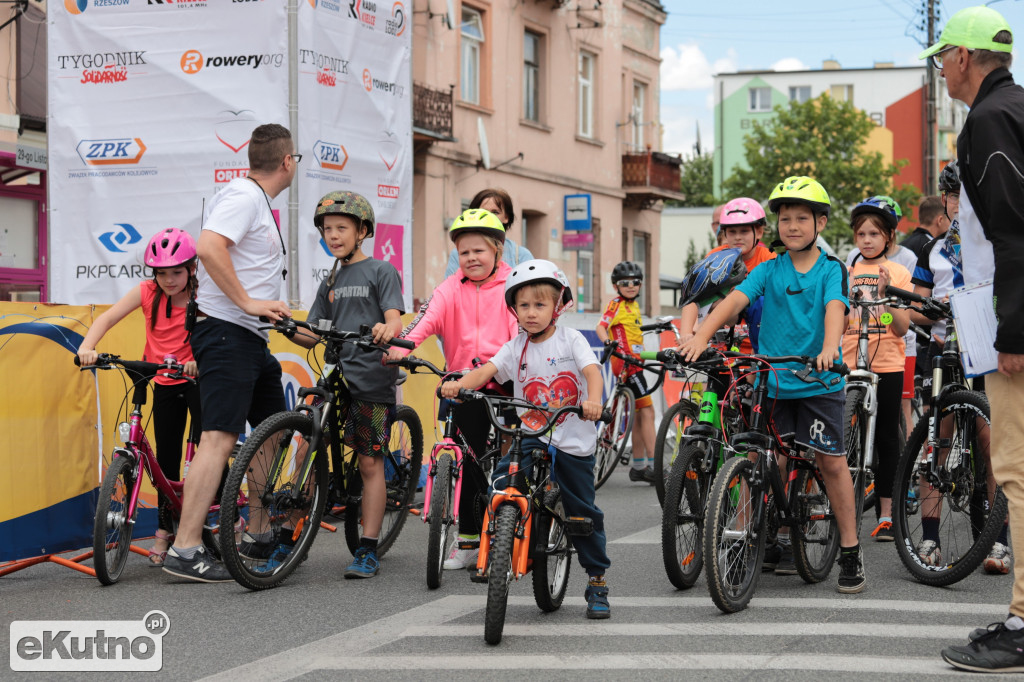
column 467, row 312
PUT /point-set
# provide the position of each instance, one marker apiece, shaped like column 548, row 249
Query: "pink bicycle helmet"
column 170, row 248
column 741, row 212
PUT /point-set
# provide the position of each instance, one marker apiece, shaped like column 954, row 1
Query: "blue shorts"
column 816, row 420
column 239, row 380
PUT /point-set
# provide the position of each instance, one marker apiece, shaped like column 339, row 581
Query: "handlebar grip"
column 78, row 361
column 839, row 368
column 667, row 355
column 402, row 343
column 906, row 295
column 653, row 327
column 649, row 355
column 467, row 394
column 606, row 416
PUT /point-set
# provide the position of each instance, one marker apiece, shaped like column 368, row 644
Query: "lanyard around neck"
column 284, row 251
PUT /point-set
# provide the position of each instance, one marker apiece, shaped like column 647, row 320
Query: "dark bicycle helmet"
column 627, row 269
column 713, row 276
column 949, row 179
column 882, row 206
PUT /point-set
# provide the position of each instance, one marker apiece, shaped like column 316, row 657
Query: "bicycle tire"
column 668, row 442
column 612, row 436
column 733, row 550
column 962, row 543
column 288, row 434
column 855, row 433
column 682, row 520
column 440, row 536
column 499, row 571
column 406, row 450
column 112, row 530
column 816, row 543
column 551, row 570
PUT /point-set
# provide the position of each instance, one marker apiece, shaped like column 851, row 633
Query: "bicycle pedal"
column 477, row 576
column 579, row 526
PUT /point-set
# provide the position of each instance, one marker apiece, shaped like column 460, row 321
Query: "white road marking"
column 890, row 630
column 651, row 536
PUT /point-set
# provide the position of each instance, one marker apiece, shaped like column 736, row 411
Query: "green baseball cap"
column 973, row 28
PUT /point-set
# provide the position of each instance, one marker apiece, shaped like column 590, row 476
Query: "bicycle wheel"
column 674, row 423
column 440, row 537
column 402, row 463
column 112, row 528
column 953, row 508
column 612, row 436
column 735, row 548
column 855, row 434
column 682, row 520
column 551, row 568
column 279, row 486
column 499, row 571
column 816, row 543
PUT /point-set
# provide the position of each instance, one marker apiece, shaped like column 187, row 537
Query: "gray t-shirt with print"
column 360, row 294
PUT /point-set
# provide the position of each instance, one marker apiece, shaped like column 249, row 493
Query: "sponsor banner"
column 146, row 125
column 355, row 126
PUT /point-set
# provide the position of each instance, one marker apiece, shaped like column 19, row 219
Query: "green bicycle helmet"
column 477, row 220
column 800, row 189
column 345, row 203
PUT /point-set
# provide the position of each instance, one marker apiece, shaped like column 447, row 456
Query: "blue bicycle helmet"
column 717, row 273
column 882, row 206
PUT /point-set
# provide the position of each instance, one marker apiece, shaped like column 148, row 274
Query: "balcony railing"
column 651, row 169
column 432, row 110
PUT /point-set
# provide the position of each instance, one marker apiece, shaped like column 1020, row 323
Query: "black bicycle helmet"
column 717, row 273
column 627, row 269
column 949, row 179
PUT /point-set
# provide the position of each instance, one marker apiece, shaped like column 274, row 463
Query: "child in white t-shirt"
column 552, row 367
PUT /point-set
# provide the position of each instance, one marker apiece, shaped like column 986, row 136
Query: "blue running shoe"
column 276, row 558
column 364, row 565
column 597, row 599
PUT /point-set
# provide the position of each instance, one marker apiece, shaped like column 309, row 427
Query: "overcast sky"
column 700, row 40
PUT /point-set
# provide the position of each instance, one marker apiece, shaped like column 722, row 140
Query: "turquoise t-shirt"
column 793, row 321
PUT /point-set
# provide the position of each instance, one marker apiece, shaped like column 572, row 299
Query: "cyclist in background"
column 172, row 256
column 467, row 313
column 621, row 323
column 874, row 223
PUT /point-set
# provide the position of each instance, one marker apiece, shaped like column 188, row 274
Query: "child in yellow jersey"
column 621, row 323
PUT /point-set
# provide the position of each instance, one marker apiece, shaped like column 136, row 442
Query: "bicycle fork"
column 869, row 382
column 428, row 489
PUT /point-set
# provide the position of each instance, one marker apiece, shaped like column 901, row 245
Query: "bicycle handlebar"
column 931, row 308
column 145, row 370
column 288, row 326
column 466, row 394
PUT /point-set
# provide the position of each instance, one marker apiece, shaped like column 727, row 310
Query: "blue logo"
column 125, row 236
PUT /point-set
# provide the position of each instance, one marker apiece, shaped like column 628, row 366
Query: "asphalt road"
column 321, row 626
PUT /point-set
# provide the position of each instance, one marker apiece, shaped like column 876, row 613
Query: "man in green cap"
column 974, row 56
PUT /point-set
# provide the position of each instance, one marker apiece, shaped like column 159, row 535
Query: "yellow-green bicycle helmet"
column 800, row 189
column 477, row 220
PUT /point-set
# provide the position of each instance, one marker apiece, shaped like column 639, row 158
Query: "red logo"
column 562, row 390
column 326, row 77
column 191, row 61
column 387, row 191
column 222, row 175
column 367, row 80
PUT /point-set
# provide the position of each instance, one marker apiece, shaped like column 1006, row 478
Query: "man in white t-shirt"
column 241, row 273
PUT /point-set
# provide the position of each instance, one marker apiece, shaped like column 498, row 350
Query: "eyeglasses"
column 630, row 282
column 937, row 58
column 296, row 157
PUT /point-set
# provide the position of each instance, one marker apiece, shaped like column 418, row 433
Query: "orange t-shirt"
column 886, row 351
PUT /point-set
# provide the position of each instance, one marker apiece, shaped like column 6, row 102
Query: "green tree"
column 696, row 181
column 827, row 140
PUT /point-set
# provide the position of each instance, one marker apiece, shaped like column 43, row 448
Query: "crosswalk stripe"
column 650, row 536
column 898, row 631
column 837, row 603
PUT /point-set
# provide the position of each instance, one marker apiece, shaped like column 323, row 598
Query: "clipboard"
column 974, row 316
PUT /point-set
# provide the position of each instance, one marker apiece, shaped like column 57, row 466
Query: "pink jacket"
column 472, row 321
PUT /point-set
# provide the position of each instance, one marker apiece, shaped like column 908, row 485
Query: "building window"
column 799, row 93
column 472, row 47
column 639, row 115
column 586, row 89
column 842, row 93
column 531, row 76
column 585, row 280
column 760, row 99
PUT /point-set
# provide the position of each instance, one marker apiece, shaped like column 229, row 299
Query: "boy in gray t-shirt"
column 361, row 290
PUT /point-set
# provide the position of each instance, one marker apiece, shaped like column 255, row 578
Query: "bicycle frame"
column 448, row 444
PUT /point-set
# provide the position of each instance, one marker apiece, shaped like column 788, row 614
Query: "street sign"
column 577, row 212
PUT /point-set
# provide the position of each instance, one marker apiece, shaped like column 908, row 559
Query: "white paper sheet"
column 975, row 319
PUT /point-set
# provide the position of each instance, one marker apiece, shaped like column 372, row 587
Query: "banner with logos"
column 151, row 108
column 355, row 124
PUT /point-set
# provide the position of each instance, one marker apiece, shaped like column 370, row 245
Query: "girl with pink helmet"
column 171, row 254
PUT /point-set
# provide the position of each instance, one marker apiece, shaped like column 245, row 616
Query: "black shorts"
column 816, row 420
column 239, row 380
column 368, row 426
column 638, row 386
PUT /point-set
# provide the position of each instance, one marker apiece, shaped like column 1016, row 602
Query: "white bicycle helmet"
column 536, row 271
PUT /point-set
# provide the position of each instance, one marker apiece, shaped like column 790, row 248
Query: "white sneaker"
column 998, row 560
column 461, row 558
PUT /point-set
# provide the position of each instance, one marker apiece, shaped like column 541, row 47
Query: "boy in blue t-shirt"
column 805, row 308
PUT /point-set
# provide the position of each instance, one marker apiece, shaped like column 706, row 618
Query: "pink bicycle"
column 443, row 491
column 119, row 494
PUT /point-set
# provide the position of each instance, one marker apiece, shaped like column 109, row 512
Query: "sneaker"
column 772, row 553
column 883, row 533
column 464, row 555
column 851, row 572
column 276, row 558
column 645, row 475
column 998, row 649
column 364, row 565
column 998, row 560
column 785, row 565
column 597, row 599
column 929, row 553
column 257, row 550
column 201, row 568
